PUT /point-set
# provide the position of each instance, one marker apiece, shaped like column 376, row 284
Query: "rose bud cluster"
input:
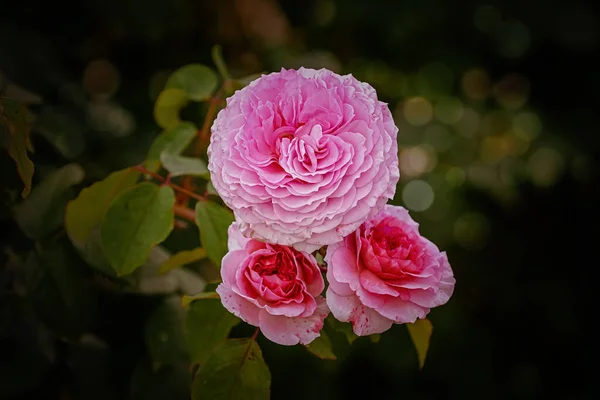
column 305, row 159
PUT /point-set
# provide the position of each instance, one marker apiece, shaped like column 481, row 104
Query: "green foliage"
column 172, row 141
column 179, row 165
column 213, row 221
column 164, row 333
column 235, row 371
column 14, row 136
column 207, row 325
column 420, row 334
column 161, row 382
column 197, row 81
column 167, row 107
column 344, row 328
column 188, row 299
column 321, row 347
column 136, row 220
column 60, row 289
column 182, row 258
column 43, row 211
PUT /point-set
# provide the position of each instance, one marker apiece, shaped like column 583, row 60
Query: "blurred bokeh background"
column 499, row 144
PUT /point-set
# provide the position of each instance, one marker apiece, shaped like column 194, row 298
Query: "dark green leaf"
column 235, row 371
column 167, row 107
column 170, row 382
column 207, row 325
column 136, row 220
column 321, row 347
column 60, row 289
column 213, row 222
column 164, row 333
column 172, row 141
column 344, row 328
column 196, row 80
column 182, row 258
column 43, row 211
column 420, row 334
column 15, row 118
column 179, row 165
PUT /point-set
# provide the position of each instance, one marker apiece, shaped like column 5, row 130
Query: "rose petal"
column 289, row 331
column 237, row 305
column 365, row 320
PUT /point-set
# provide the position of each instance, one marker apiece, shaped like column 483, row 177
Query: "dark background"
column 522, row 247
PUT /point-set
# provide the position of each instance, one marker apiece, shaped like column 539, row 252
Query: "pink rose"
column 304, row 157
column 386, row 273
column 274, row 287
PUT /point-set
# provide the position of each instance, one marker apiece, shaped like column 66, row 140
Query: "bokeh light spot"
column 417, row 195
column 455, row 176
column 545, row 166
column 415, row 161
column 438, row 136
column 471, row 230
column 468, row 124
column 100, row 79
column 512, row 38
column 476, row 84
column 449, row 110
column 418, row 111
column 527, row 125
column 512, row 91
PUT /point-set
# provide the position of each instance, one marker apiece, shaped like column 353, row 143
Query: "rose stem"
column 210, row 115
column 255, row 335
column 166, row 182
column 323, row 269
column 184, row 212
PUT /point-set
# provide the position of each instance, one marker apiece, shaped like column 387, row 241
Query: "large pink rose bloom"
column 274, row 287
column 386, row 273
column 304, row 157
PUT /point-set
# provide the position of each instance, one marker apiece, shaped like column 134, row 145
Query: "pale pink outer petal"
column 365, row 320
column 401, row 311
column 429, row 298
column 238, row 306
column 289, row 331
column 235, row 239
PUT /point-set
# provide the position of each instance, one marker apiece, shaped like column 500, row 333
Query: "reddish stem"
column 255, row 335
column 166, row 182
column 185, row 213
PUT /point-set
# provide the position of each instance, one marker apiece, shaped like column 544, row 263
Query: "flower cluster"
column 307, row 159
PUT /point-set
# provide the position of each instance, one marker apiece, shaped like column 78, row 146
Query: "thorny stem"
column 171, row 184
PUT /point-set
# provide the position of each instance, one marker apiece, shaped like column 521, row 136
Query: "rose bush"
column 304, row 157
column 386, row 273
column 274, row 287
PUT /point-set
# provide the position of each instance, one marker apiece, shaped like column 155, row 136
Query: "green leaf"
column 43, row 211
column 344, row 328
column 235, row 371
column 245, row 81
column 60, row 289
column 420, row 333
column 15, row 118
column 136, row 220
column 179, row 165
column 167, row 107
column 321, row 347
column 86, row 212
column 187, row 299
column 375, row 338
column 172, row 141
column 196, row 80
column 182, row 258
column 164, row 333
column 213, row 222
column 210, row 189
column 207, row 325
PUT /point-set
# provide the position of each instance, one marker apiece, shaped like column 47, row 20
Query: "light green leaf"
column 213, row 222
column 420, row 333
column 167, row 107
column 235, row 371
column 179, row 165
column 172, row 141
column 87, row 211
column 196, row 80
column 210, row 189
column 15, row 118
column 182, row 258
column 187, row 299
column 344, row 328
column 321, row 347
column 43, row 211
column 207, row 325
column 164, row 333
column 136, row 220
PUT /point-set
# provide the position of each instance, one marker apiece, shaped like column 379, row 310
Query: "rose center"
column 276, row 264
